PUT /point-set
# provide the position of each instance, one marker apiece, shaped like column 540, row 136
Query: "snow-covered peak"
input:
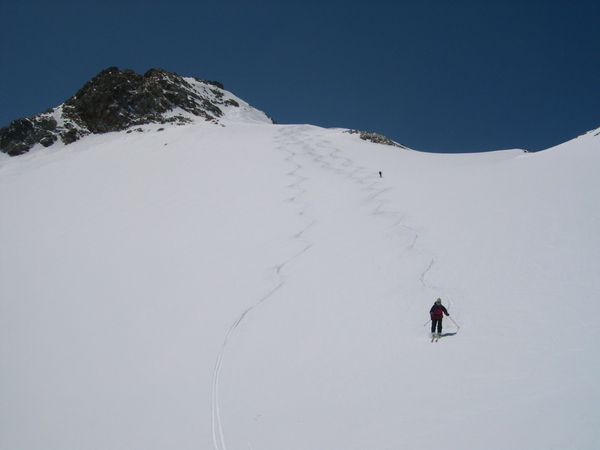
column 116, row 100
column 232, row 107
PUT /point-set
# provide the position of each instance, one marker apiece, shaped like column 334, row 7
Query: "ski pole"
column 427, row 322
column 454, row 322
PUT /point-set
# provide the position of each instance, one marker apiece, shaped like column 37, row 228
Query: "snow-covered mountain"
column 116, row 100
column 248, row 285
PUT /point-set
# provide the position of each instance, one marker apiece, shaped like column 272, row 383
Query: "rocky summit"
column 116, row 100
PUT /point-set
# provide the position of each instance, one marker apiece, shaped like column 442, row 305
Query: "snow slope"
column 256, row 286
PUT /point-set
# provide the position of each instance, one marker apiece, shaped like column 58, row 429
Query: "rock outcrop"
column 377, row 138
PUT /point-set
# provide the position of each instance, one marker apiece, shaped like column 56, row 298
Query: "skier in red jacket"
column 437, row 312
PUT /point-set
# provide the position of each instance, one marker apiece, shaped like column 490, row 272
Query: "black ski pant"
column 436, row 323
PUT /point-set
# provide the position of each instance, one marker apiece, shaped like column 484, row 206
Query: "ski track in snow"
column 218, row 435
column 362, row 175
column 300, row 136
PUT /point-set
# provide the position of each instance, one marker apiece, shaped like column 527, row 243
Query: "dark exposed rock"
column 22, row 134
column 375, row 137
column 116, row 100
column 47, row 141
column 69, row 135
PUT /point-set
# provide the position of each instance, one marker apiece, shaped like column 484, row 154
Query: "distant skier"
column 437, row 312
column 380, row 174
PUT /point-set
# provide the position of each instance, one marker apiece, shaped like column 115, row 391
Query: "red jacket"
column 438, row 311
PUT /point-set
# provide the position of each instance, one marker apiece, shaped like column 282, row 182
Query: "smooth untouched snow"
column 254, row 286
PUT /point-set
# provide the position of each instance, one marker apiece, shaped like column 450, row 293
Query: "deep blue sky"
column 446, row 76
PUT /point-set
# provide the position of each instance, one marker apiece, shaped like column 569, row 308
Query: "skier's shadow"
column 447, row 334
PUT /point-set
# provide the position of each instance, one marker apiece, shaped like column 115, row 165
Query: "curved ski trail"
column 217, row 427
